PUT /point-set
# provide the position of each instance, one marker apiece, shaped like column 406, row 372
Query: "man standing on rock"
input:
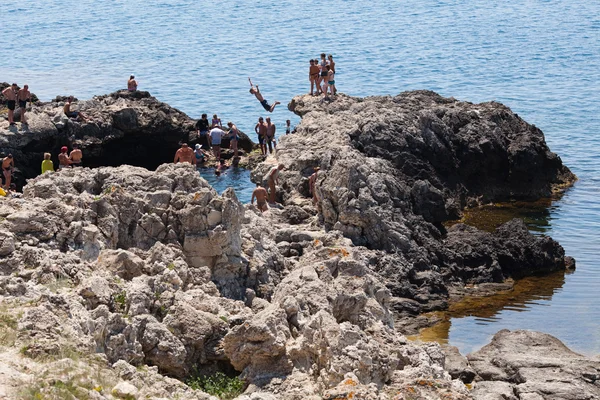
column 8, row 165
column 261, row 132
column 270, row 134
column 10, row 93
column 23, row 95
column 73, row 114
column 272, row 179
column 215, row 137
column 260, row 193
column 76, row 156
column 185, row 154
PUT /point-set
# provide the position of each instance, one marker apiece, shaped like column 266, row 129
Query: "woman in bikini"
column 234, row 137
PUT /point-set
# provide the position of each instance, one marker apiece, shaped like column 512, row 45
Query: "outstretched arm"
column 250, row 80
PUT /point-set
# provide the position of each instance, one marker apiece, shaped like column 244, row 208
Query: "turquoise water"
column 541, row 58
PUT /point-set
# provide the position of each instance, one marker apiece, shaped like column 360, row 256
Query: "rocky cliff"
column 123, row 127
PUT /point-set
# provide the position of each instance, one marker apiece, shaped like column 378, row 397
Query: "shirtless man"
column 311, row 185
column 132, row 84
column 76, row 156
column 73, row 114
column 261, row 131
column 10, row 93
column 234, row 137
column 313, row 77
column 270, row 134
column 185, row 154
column 63, row 158
column 7, row 168
column 260, row 98
column 23, row 95
column 260, row 193
column 272, row 178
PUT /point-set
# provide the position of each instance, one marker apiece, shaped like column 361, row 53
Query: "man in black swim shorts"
column 10, row 93
column 23, row 95
column 259, row 97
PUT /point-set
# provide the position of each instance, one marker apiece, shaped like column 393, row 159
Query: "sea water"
column 539, row 57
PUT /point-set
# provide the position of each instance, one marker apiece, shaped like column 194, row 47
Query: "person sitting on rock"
column 76, row 156
column 23, row 95
column 260, row 193
column 200, row 155
column 63, row 158
column 202, row 127
column 73, row 114
column 185, row 154
column 8, row 165
column 272, row 178
column 234, row 137
column 216, row 122
column 311, row 185
column 260, row 98
column 47, row 164
column 10, row 93
column 132, row 84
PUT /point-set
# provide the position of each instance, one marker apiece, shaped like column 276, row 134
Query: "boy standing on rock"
column 10, row 93
column 23, row 95
column 260, row 98
column 261, row 132
column 260, row 193
column 7, row 168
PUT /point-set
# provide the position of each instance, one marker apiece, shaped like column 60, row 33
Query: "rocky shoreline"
column 120, row 282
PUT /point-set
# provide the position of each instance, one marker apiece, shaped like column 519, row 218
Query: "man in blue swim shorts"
column 260, row 98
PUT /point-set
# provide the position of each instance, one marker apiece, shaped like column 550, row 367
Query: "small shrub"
column 219, row 385
column 171, row 266
column 121, row 300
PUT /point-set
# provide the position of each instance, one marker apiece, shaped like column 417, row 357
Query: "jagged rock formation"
column 394, row 168
column 123, row 127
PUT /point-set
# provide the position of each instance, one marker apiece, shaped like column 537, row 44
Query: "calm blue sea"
column 540, row 57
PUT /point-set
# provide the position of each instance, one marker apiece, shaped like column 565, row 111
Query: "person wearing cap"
column 63, row 158
column 272, row 178
column 8, row 165
column 131, row 84
column 185, row 154
column 200, row 154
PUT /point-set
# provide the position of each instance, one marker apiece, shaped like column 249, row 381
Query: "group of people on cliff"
column 15, row 95
column 321, row 75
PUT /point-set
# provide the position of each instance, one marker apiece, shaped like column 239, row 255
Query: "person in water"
column 73, row 114
column 47, row 164
column 200, row 155
column 234, row 137
column 260, row 98
column 63, row 158
column 22, row 96
column 132, row 84
column 261, row 132
column 8, row 165
column 313, row 77
column 76, row 156
column 272, row 179
column 260, row 194
column 10, row 93
column 185, row 154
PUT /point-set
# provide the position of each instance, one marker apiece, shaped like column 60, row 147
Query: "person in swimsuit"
column 63, row 158
column 261, row 132
column 200, row 155
column 132, row 84
column 270, row 136
column 76, row 156
column 234, row 137
column 272, row 179
column 311, row 185
column 260, row 194
column 216, row 122
column 313, row 77
column 288, row 127
column 10, row 93
column 73, row 114
column 23, row 95
column 185, row 154
column 330, row 83
column 47, row 164
column 216, row 134
column 323, row 73
column 332, row 65
column 8, row 165
column 260, row 98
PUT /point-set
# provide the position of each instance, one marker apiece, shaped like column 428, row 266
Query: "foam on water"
column 541, row 58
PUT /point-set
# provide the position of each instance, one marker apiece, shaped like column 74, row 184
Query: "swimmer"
column 260, row 98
